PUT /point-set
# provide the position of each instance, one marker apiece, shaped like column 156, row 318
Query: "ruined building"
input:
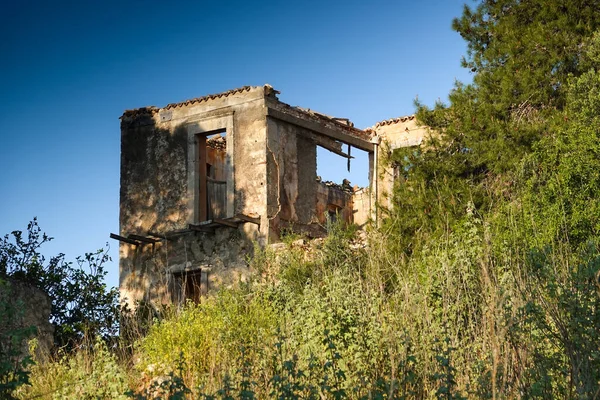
column 205, row 180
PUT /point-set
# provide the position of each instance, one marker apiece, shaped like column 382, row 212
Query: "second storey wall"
column 292, row 173
column 156, row 197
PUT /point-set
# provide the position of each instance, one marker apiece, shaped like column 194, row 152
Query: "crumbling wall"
column 361, row 206
column 23, row 305
column 291, row 172
column 334, row 201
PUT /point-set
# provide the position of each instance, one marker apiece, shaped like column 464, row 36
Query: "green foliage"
column 518, row 148
column 563, row 175
column 91, row 372
column 523, row 54
column 446, row 376
column 171, row 387
column 562, row 320
column 456, row 319
column 207, row 337
column 81, row 302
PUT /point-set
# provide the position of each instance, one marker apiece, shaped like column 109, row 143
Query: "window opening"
column 212, row 180
column 334, row 168
column 333, row 212
column 191, row 285
column 340, row 197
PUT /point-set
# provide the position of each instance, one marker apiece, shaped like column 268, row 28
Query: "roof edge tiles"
column 393, row 121
column 269, row 91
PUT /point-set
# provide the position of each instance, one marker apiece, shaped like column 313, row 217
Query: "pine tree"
column 522, row 53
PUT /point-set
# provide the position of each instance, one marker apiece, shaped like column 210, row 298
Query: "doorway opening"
column 212, row 175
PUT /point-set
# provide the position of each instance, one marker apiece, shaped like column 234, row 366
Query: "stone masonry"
column 206, row 180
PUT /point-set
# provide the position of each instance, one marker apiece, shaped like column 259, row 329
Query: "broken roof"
column 343, row 124
column 393, row 121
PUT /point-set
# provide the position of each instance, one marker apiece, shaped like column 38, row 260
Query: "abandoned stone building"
column 205, row 180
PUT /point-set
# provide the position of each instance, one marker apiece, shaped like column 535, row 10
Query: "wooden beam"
column 324, row 141
column 202, row 223
column 225, row 222
column 124, row 239
column 247, row 218
column 143, row 239
column 327, row 143
column 201, row 228
column 321, row 129
column 349, row 156
column 339, row 153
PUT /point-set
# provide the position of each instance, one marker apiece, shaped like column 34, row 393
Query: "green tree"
column 82, row 304
column 563, row 173
column 522, row 53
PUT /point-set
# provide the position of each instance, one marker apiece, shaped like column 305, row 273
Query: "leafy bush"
column 81, row 302
column 91, row 372
column 207, row 338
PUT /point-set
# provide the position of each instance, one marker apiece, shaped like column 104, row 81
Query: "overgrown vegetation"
column 82, row 305
column 483, row 281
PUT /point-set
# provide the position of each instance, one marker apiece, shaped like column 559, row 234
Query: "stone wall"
column 159, row 175
column 395, row 133
column 21, row 306
column 334, row 202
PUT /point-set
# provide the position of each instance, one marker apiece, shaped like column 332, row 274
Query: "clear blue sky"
column 68, row 70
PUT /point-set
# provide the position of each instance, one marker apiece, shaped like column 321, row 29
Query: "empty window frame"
column 190, row 285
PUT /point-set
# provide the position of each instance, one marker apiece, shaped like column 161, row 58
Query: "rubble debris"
column 345, row 186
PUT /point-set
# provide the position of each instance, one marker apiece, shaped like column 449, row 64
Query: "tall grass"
column 476, row 313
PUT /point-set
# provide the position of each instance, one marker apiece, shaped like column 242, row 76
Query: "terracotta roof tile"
column 152, row 109
column 210, row 97
column 394, row 121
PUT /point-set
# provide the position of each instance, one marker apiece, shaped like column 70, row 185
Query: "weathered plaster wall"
column 250, row 161
column 292, row 173
column 396, row 133
column 156, row 193
column 361, row 206
column 402, row 132
column 333, row 199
